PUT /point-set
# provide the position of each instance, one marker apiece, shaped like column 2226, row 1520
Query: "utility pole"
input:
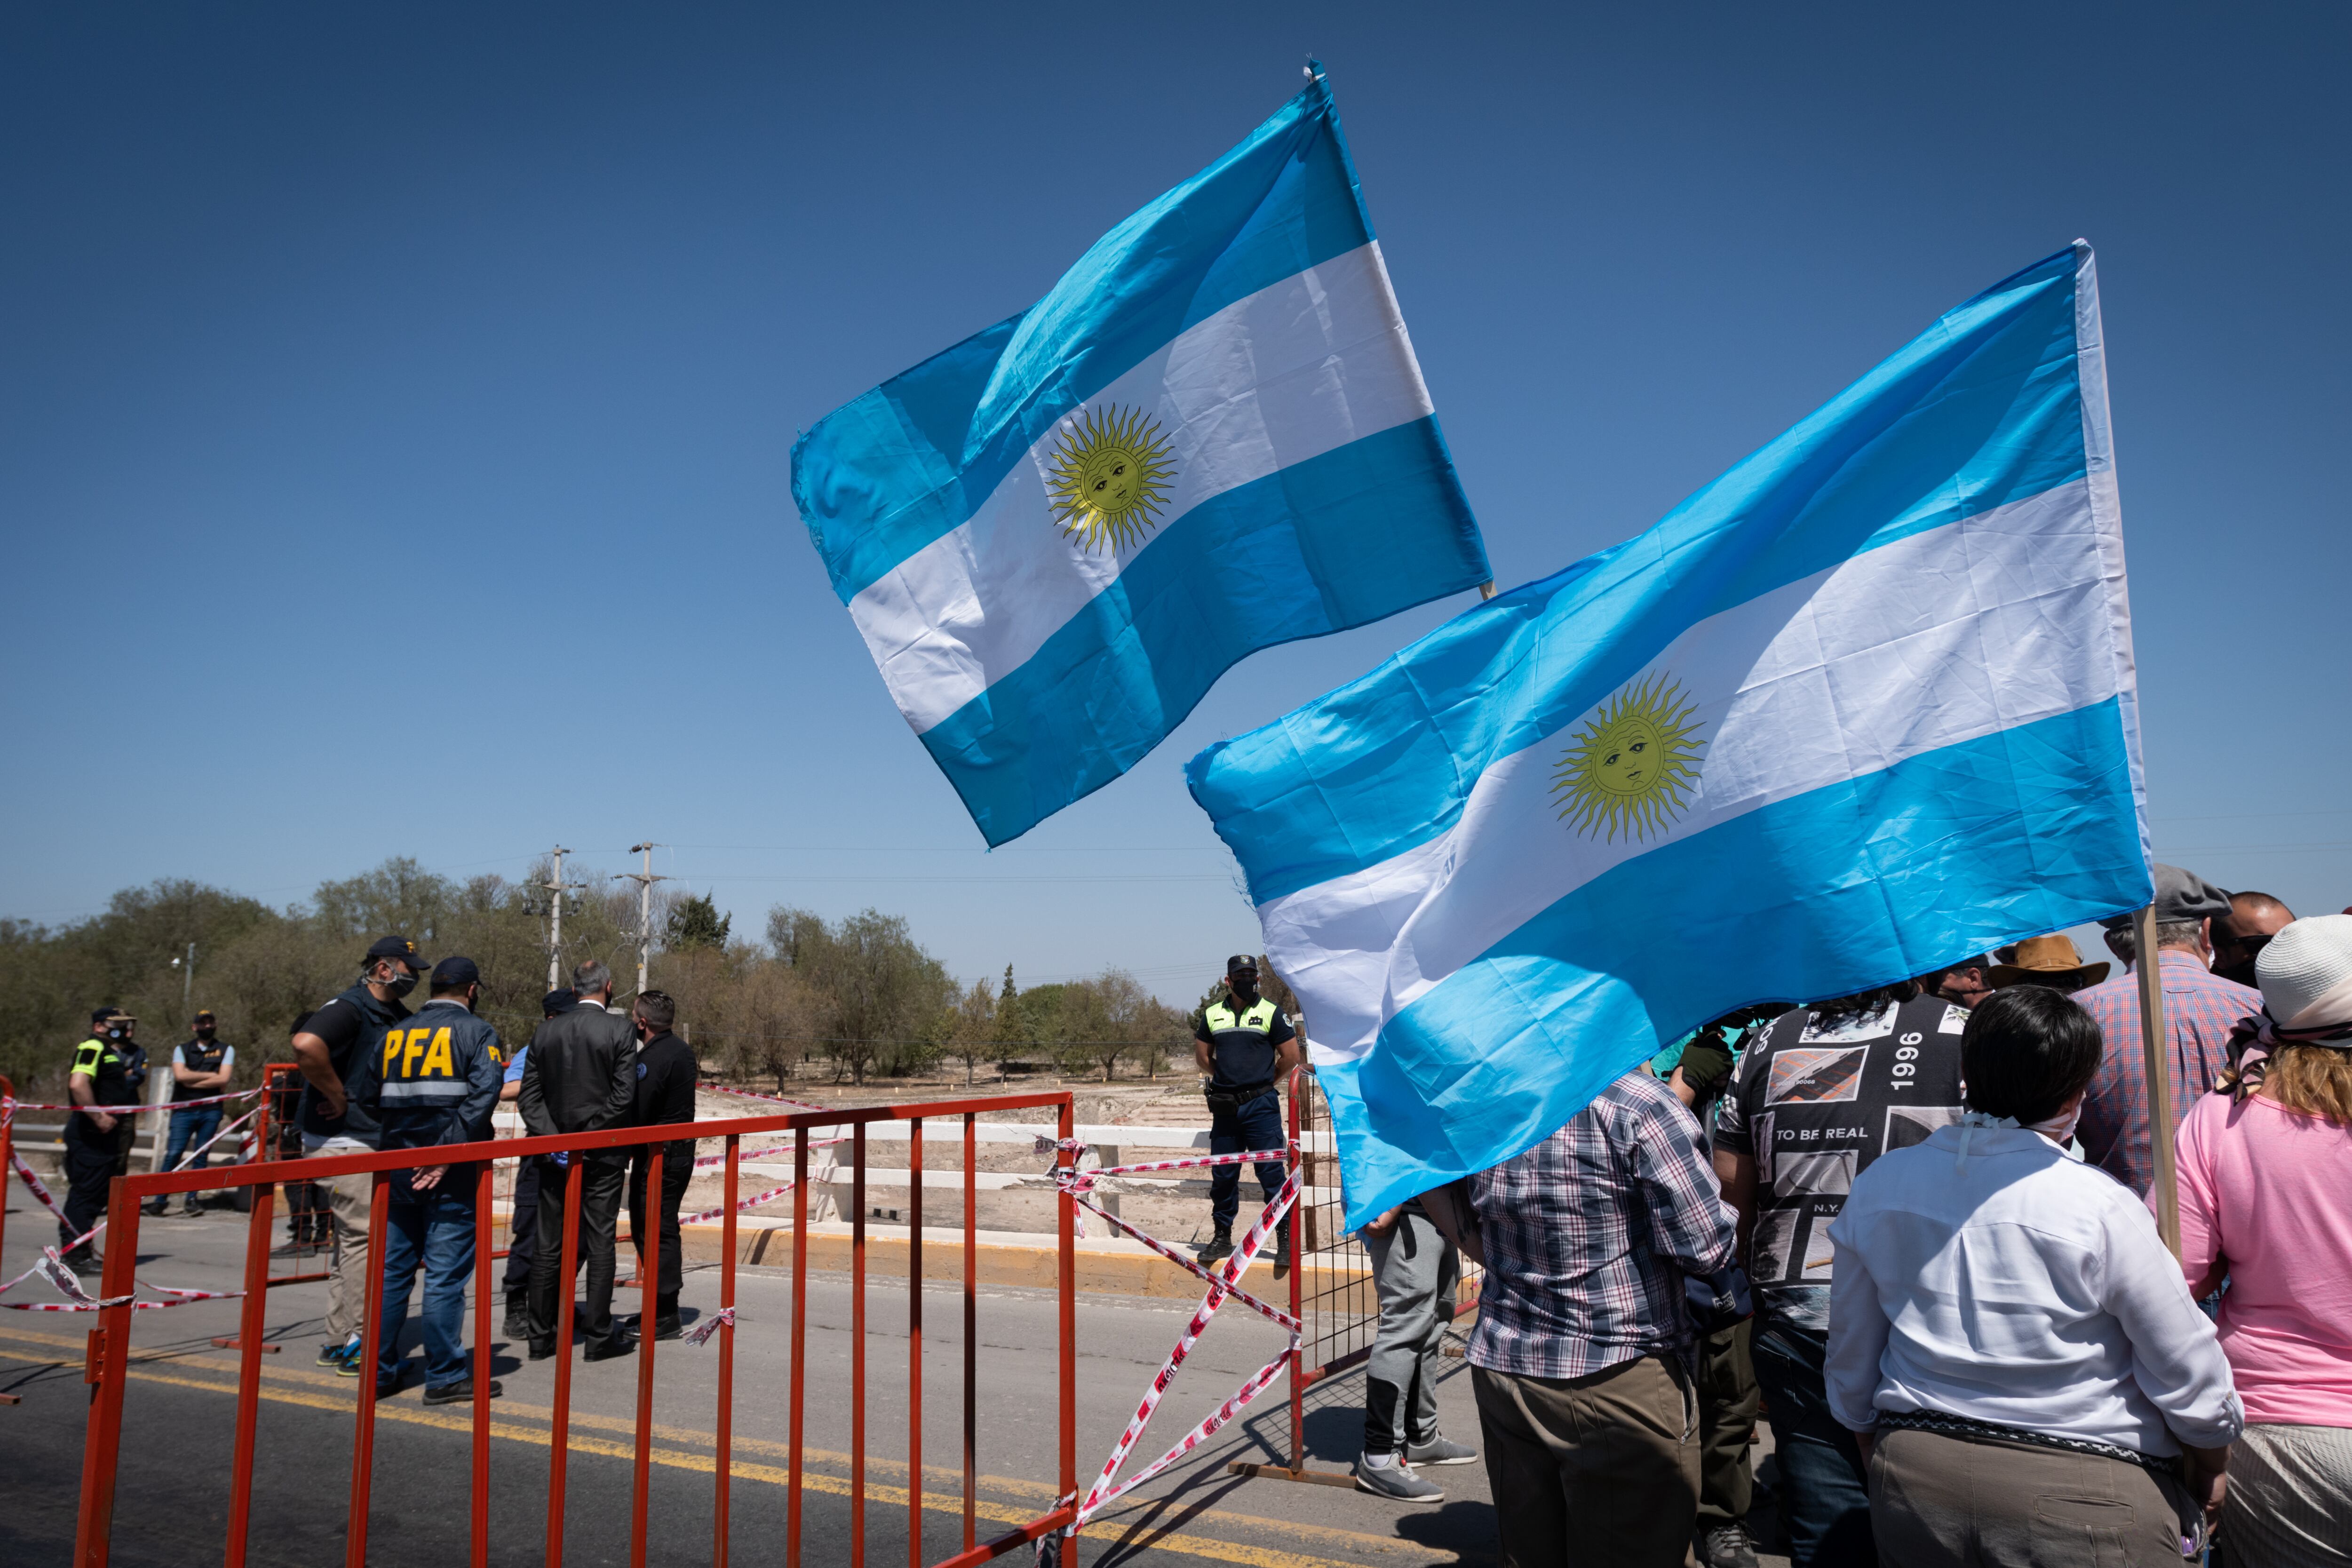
column 188, row 979
column 556, row 886
column 645, row 881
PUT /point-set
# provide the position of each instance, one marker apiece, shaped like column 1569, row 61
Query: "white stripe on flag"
column 1296, row 370
column 1944, row 636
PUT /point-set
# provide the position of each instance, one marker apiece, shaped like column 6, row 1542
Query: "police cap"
column 399, row 949
column 453, row 972
column 1241, row 961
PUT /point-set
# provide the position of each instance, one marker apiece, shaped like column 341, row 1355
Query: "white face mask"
column 2060, row 1129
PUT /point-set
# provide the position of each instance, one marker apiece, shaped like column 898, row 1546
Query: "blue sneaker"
column 335, row 1357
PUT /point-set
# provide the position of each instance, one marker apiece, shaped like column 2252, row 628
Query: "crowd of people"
column 1919, row 1230
column 1920, row 1227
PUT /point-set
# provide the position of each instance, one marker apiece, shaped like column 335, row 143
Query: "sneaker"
column 458, row 1393
column 1726, row 1545
column 351, row 1362
column 153, row 1210
column 1438, row 1450
column 1394, row 1480
column 189, row 1211
column 386, row 1387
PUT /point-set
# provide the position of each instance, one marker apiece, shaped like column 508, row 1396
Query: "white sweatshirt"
column 2018, row 1286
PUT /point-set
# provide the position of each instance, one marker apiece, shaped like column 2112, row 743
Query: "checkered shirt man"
column 2200, row 1010
column 1588, row 1236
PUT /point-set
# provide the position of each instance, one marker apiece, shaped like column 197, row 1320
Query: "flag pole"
column 2154, row 1060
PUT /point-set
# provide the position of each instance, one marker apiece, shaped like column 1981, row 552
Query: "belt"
column 1945, row 1425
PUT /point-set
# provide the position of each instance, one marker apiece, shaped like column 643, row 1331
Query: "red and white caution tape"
column 8, row 1108
column 52, row 1265
column 33, row 1184
column 1107, row 1488
column 198, row 1153
column 769, row 1196
column 723, row 1318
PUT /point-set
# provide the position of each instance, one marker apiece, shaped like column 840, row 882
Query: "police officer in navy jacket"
column 1246, row 1048
column 434, row 1082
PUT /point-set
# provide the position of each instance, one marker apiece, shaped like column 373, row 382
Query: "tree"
column 696, row 922
column 880, row 991
column 1009, row 1036
column 967, row 1030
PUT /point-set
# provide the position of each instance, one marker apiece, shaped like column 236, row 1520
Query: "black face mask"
column 401, row 983
column 206, row 1031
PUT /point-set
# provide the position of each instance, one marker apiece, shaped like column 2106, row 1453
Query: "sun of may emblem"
column 1632, row 767
column 1109, row 477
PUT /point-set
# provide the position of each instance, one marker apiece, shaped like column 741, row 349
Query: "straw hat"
column 2048, row 961
column 2306, row 972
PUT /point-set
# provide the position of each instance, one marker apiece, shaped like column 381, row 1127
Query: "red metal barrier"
column 110, row 1343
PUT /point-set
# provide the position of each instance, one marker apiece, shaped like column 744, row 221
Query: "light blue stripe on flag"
column 1210, row 437
column 1864, row 705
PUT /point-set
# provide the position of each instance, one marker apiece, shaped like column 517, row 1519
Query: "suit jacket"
column 580, row 1073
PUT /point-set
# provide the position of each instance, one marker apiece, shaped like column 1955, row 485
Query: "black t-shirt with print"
column 1815, row 1100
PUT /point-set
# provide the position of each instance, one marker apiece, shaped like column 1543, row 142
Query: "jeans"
column 1255, row 1126
column 1414, row 1269
column 436, row 1228
column 1823, row 1501
column 192, row 1130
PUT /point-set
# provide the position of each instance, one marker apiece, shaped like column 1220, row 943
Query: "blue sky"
column 396, row 403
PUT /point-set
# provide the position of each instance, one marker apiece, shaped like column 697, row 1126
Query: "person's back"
column 2265, row 1182
column 580, row 1072
column 2002, row 1264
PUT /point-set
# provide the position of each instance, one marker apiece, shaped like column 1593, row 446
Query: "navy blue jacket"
column 434, row 1080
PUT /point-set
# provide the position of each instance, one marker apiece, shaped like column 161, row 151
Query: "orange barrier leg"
column 726, row 1363
column 250, row 1329
column 561, row 1432
column 370, row 1331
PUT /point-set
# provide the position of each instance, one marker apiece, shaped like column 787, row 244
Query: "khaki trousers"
column 1728, row 1401
column 349, row 1279
column 1600, row 1470
column 1954, row 1502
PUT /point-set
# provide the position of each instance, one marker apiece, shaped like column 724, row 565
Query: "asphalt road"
column 179, row 1416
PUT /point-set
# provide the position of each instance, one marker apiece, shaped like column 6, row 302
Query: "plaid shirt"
column 2200, row 1010
column 1589, row 1234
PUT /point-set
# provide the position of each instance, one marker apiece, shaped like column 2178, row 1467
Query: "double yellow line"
column 528, row 1423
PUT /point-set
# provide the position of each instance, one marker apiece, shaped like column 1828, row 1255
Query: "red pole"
column 482, row 1193
column 915, row 1346
column 111, row 1350
column 725, row 1363
column 649, row 1270
column 7, row 1123
column 1297, row 1263
column 371, row 1330
column 1066, row 1213
column 857, row 1349
column 970, row 1323
column 249, row 1330
column 560, row 1433
column 800, row 1344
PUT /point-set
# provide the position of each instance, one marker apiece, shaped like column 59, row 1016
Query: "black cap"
column 204, row 1015
column 560, row 1001
column 453, row 972
column 397, row 948
column 2180, row 896
column 101, row 1014
column 1240, row 961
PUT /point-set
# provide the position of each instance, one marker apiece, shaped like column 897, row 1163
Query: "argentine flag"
column 1862, row 705
column 1210, row 437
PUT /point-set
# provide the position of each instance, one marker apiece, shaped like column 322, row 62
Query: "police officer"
column 1244, row 1047
column 333, row 1042
column 108, row 1068
column 201, row 1068
column 434, row 1080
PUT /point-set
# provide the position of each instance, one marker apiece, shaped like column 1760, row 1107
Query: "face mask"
column 2060, row 1129
column 206, row 1032
column 401, row 985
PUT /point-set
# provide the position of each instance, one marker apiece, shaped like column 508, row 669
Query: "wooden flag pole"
column 2156, row 1058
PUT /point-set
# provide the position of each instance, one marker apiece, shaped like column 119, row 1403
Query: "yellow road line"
column 877, row 1492
column 507, row 1408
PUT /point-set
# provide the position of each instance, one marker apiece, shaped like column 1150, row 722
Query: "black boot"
column 1221, row 1245
column 518, row 1323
